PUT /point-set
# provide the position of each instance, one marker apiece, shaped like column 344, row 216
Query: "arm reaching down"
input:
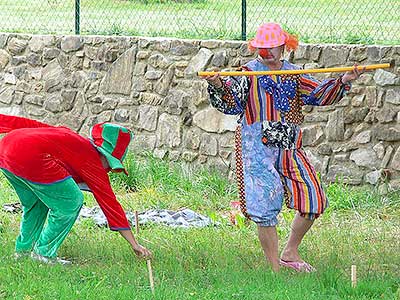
column 97, row 180
column 139, row 250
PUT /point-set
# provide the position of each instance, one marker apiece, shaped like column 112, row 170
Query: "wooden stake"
column 137, row 221
column 353, row 276
column 151, row 279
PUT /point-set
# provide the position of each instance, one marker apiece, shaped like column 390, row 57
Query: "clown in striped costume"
column 272, row 167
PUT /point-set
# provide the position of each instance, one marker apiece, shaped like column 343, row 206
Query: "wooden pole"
column 137, row 221
column 299, row 71
column 151, row 279
column 353, row 276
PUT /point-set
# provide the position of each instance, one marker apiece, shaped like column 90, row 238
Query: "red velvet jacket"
column 46, row 154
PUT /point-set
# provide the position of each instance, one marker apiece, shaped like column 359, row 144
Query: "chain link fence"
column 335, row 21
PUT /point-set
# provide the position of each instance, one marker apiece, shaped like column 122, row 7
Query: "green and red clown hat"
column 112, row 141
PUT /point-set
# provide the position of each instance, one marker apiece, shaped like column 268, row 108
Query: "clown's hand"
column 353, row 74
column 141, row 251
column 214, row 80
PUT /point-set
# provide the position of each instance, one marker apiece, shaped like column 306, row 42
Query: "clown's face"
column 271, row 55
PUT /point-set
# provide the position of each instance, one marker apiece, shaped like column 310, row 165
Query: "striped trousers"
column 269, row 176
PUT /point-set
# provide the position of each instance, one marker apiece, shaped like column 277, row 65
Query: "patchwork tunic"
column 45, row 164
column 270, row 162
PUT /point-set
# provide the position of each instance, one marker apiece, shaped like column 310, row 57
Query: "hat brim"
column 114, row 163
column 256, row 44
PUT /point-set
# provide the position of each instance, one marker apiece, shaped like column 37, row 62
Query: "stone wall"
column 150, row 86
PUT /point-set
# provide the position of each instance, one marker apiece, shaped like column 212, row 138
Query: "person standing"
column 271, row 165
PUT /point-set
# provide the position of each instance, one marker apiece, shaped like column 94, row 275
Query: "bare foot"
column 288, row 255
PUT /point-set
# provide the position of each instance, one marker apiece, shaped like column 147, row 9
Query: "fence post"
column 77, row 16
column 243, row 20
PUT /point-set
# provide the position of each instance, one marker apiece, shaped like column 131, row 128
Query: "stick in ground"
column 150, row 275
column 353, row 276
column 137, row 221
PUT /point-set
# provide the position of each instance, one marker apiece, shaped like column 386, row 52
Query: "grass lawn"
column 314, row 21
column 222, row 262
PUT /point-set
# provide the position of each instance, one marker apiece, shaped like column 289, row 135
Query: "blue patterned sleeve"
column 232, row 97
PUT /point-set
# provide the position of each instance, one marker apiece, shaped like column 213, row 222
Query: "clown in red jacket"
column 45, row 164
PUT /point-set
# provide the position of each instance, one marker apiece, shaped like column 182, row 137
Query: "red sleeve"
column 99, row 183
column 9, row 123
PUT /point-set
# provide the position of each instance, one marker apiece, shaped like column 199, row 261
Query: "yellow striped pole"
column 299, row 71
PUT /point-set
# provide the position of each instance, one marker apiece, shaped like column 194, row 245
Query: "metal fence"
column 334, row 21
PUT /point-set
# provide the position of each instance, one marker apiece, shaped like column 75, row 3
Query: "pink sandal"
column 299, row 266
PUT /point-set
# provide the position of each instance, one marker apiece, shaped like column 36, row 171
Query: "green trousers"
column 59, row 203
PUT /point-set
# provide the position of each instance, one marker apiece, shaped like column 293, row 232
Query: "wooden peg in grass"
column 353, row 276
column 137, row 221
column 151, row 279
